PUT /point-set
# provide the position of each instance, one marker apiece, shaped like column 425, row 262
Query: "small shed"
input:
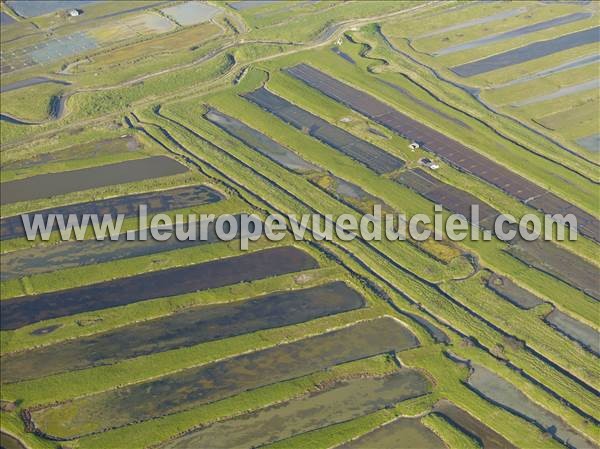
column 428, row 163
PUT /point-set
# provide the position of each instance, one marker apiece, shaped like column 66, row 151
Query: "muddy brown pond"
column 402, row 432
column 344, row 401
column 52, row 184
column 511, row 292
column 9, row 442
column 487, row 437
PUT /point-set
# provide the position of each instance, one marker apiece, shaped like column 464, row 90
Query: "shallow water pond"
column 200, row 385
column 25, row 310
column 189, row 327
column 342, row 402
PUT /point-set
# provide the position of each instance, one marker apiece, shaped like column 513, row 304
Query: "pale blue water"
column 41, row 7
column 63, row 47
column 191, row 13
